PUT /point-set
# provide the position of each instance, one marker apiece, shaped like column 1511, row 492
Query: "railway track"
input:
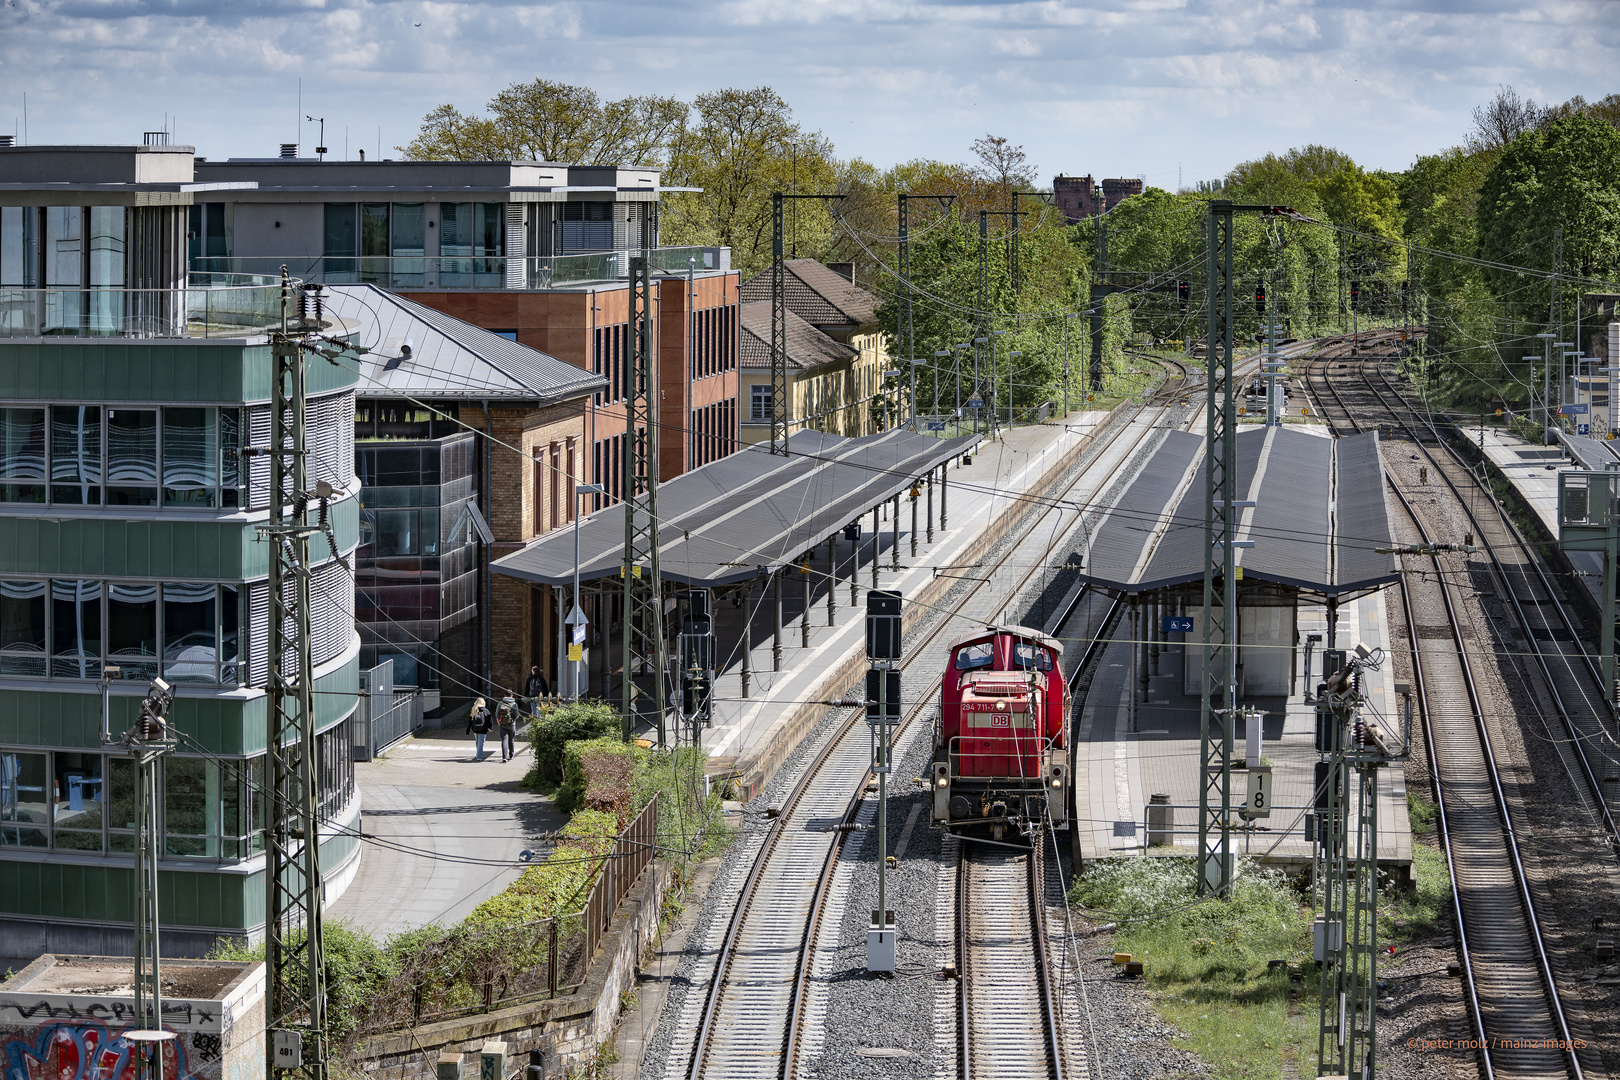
column 1009, row 1026
column 1513, row 996
column 749, row 1026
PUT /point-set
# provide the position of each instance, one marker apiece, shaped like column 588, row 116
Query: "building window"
column 132, row 457
column 760, row 404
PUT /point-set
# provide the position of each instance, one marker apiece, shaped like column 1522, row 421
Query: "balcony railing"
column 532, row 272
column 209, row 305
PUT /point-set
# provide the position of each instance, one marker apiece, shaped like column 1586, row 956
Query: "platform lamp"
column 978, row 392
column 960, row 347
column 1015, row 352
column 993, row 335
column 576, row 621
column 1546, row 384
column 939, row 354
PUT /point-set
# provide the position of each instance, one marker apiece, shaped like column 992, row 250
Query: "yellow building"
column 836, row 355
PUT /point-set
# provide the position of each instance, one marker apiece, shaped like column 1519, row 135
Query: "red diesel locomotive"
column 1001, row 748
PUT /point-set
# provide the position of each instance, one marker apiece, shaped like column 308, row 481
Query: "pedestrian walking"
column 535, row 687
column 478, row 723
column 506, row 721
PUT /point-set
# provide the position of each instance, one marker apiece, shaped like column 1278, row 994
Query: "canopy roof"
column 1319, row 514
column 747, row 514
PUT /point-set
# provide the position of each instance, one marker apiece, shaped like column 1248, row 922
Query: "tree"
column 745, row 146
column 1291, row 172
column 550, row 121
column 1564, row 176
column 1003, row 163
column 1502, row 119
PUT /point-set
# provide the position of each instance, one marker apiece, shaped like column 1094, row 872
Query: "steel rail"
column 1528, row 920
column 1503, row 526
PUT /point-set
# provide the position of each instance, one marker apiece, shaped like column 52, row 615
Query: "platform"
column 1525, row 464
column 982, row 495
column 1130, row 751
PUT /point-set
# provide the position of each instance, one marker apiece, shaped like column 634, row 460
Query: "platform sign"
column 1572, row 410
column 1178, row 624
column 1259, row 801
column 935, row 425
column 1583, row 429
column 975, row 403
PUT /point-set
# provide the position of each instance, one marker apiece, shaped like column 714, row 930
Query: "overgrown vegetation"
column 503, row 948
column 1207, row 960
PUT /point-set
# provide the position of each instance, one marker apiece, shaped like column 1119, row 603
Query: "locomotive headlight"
column 1001, row 706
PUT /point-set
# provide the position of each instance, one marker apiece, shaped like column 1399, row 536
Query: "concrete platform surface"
column 1127, row 752
column 435, row 806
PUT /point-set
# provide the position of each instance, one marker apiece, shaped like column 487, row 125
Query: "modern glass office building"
column 132, row 399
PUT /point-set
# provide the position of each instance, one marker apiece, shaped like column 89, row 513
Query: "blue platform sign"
column 975, row 403
column 1178, row 624
column 1583, row 429
column 934, row 425
column 1572, row 410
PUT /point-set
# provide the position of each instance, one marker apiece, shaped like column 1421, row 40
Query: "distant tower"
column 1074, row 198
column 1119, row 189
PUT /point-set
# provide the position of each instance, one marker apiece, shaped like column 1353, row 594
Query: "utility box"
column 449, row 1066
column 880, row 944
column 1327, row 939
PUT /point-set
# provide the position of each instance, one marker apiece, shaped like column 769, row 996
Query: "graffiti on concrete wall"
column 90, row 1050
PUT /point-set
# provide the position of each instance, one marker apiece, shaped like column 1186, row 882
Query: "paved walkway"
column 429, row 797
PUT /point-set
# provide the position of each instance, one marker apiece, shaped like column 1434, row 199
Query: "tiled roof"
column 448, row 357
column 817, row 295
column 806, row 346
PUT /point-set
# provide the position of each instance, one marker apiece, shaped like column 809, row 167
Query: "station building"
column 130, row 394
column 836, row 355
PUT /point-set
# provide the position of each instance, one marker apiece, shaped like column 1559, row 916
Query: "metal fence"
column 1160, row 823
column 473, row 271
column 386, row 714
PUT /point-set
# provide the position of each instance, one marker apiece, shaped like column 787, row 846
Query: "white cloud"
column 1115, row 87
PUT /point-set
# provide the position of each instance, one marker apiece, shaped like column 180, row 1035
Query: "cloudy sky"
column 1166, row 89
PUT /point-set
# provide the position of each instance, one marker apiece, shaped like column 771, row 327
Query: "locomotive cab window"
column 974, row 656
column 1027, row 656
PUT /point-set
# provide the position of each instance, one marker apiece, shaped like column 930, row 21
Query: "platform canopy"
column 1318, row 517
column 749, row 513
column 1594, row 455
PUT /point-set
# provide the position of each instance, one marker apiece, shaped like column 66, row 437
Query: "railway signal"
column 882, row 713
column 1184, row 294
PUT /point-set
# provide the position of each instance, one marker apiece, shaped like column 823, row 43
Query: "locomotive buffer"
column 882, row 714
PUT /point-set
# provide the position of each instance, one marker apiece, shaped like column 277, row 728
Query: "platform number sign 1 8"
column 1259, row 804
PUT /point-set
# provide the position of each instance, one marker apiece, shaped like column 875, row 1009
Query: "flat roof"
column 1319, row 514
column 748, row 514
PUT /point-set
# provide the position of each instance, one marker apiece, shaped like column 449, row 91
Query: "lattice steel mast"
column 642, row 623
column 779, row 391
column 296, row 1040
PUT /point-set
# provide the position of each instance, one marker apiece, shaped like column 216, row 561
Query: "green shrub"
column 356, row 969
column 562, row 723
column 570, row 794
column 557, row 886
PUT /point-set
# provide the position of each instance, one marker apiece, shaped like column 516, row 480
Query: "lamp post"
column 961, row 347
column 1546, row 384
column 978, row 391
column 993, row 376
column 576, row 617
column 1015, row 352
column 939, row 355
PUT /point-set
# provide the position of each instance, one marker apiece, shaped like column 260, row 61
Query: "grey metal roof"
column 748, row 513
column 1591, row 454
column 806, row 346
column 1319, row 514
column 448, row 358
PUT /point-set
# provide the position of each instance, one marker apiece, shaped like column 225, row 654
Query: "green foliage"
column 559, row 724
column 550, row 121
column 1208, row 961
column 570, row 795
column 356, row 968
column 743, row 146
column 558, row 885
column 1408, row 913
column 1564, row 176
